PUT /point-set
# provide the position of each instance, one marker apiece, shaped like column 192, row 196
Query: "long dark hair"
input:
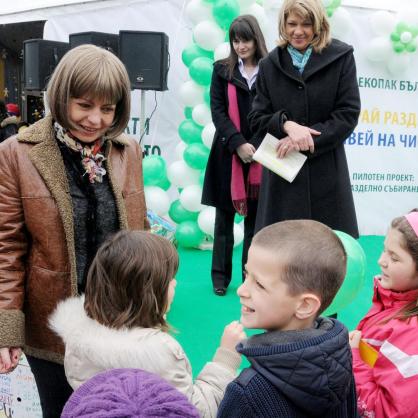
column 246, row 28
column 3, row 111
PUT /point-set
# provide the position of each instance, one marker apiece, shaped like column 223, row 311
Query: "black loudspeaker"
column 109, row 41
column 40, row 57
column 145, row 55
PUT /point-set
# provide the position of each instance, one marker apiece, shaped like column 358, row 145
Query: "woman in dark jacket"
column 308, row 98
column 233, row 138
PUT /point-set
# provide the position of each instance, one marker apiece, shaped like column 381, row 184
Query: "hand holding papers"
column 287, row 167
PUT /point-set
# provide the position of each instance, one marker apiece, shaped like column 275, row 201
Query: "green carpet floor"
column 198, row 316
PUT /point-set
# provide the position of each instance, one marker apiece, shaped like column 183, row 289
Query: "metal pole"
column 142, row 116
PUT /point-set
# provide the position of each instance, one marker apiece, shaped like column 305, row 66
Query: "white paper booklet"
column 287, row 167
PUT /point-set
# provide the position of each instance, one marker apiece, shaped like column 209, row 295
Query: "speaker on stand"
column 146, row 58
column 109, row 41
column 40, row 57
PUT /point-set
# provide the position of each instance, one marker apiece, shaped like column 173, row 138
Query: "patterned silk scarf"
column 299, row 59
column 91, row 155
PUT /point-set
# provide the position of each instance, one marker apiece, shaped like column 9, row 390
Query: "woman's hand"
column 285, row 146
column 233, row 334
column 9, row 358
column 354, row 338
column 246, row 152
column 301, row 135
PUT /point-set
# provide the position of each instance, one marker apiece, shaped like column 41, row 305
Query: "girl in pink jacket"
column 385, row 344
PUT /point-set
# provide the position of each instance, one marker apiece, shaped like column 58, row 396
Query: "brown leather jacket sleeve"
column 13, row 248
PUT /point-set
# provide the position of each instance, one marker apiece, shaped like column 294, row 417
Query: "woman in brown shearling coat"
column 66, row 183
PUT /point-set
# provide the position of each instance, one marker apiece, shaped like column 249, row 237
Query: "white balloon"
column 181, row 175
column 180, row 147
column 208, row 35
column 382, row 22
column 201, row 114
column 222, row 51
column 206, row 220
column 157, row 200
column 245, row 3
column 191, row 93
column 238, row 234
column 399, row 64
column 341, row 23
column 379, row 49
column 208, row 134
column 190, row 198
column 406, row 37
column 197, row 10
column 258, row 12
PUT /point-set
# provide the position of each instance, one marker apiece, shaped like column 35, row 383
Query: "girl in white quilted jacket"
column 120, row 322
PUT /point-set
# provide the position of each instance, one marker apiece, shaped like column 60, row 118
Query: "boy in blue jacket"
column 301, row 366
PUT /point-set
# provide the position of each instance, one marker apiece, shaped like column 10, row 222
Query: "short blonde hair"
column 312, row 10
column 92, row 72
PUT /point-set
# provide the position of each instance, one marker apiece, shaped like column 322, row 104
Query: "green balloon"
column 164, row 183
column 154, row 170
column 398, row 47
column 190, row 132
column 202, row 177
column 206, row 95
column 395, row 37
column 200, row 70
column 354, row 278
column 402, row 27
column 411, row 47
column 330, row 11
column 188, row 112
column 208, row 1
column 238, row 218
column 188, row 234
column 196, row 156
column 192, row 52
column 414, row 30
column 178, row 214
column 224, row 12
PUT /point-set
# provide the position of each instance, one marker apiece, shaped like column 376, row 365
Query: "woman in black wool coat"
column 233, row 138
column 308, row 98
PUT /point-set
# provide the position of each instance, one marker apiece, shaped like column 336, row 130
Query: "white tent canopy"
column 32, row 10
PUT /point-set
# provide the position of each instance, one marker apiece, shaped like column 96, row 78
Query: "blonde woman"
column 67, row 182
column 308, row 98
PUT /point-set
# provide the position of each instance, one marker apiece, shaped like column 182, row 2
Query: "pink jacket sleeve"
column 390, row 388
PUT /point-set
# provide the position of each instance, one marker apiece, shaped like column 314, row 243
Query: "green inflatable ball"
column 224, row 12
column 154, row 170
column 355, row 275
column 188, row 234
column 200, row 70
column 192, row 52
column 178, row 214
column 196, row 156
column 190, row 132
column 188, row 112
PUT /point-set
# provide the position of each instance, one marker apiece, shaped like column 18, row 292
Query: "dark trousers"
column 52, row 384
column 223, row 243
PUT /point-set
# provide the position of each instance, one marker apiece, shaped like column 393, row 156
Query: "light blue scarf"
column 299, row 59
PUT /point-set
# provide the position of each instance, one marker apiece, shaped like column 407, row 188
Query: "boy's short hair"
column 91, row 71
column 314, row 257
